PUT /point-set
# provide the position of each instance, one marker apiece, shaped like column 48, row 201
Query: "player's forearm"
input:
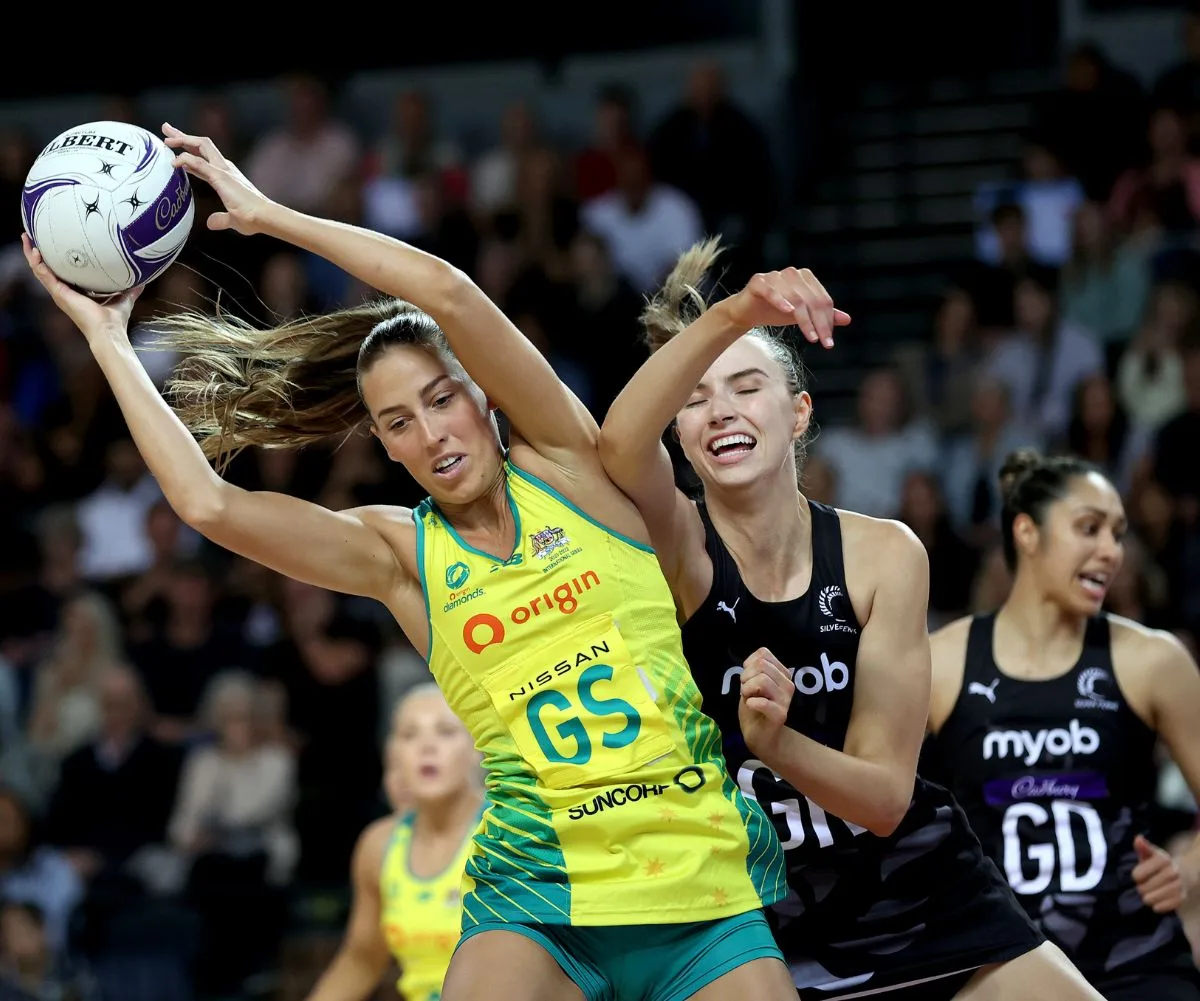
column 872, row 795
column 657, row 392
column 172, row 455
column 1189, row 868
column 350, row 977
column 389, row 265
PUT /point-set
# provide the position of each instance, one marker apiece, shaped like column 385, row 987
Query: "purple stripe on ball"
column 162, row 213
column 34, row 193
column 147, row 155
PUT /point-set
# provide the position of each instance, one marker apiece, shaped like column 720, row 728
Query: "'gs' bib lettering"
column 578, row 708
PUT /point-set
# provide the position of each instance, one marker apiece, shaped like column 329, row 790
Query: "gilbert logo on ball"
column 106, row 207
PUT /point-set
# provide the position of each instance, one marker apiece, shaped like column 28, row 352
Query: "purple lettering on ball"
column 168, row 208
column 148, row 227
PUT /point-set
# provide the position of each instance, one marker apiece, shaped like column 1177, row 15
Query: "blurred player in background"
column 408, row 868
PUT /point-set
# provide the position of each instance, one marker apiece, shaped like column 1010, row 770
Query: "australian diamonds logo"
column 548, row 541
column 457, row 575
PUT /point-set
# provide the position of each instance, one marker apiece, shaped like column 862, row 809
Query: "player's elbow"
column 201, row 510
column 612, row 452
column 449, row 292
column 892, row 807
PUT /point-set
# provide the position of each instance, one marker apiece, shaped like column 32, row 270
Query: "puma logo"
column 987, row 691
column 722, row 607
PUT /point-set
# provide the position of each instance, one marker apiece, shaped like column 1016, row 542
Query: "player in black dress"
column 1046, row 715
column 805, row 628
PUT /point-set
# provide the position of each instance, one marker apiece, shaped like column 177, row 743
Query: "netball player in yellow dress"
column 616, row 858
column 408, row 867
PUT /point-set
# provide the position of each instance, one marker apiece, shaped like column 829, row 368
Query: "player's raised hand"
column 783, row 298
column 200, row 157
column 767, row 691
column 94, row 317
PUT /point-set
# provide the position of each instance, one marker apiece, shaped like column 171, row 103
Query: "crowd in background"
column 189, row 744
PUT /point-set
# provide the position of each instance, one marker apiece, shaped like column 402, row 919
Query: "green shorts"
column 651, row 962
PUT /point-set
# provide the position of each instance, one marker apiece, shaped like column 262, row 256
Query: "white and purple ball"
column 106, row 207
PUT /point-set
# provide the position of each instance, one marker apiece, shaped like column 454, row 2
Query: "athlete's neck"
column 485, row 522
column 447, row 816
column 768, row 530
column 1037, row 631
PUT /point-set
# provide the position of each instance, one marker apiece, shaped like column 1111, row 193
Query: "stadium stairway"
column 892, row 214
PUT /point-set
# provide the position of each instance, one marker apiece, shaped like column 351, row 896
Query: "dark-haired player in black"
column 1045, row 716
column 890, row 892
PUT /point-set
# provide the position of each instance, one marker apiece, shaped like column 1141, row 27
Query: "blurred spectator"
column 284, row 288
column 494, row 174
column 1047, row 356
column 971, row 462
column 327, row 662
column 115, row 794
column 232, row 819
column 613, row 132
column 1175, row 446
column 302, row 162
column 939, row 376
column 1177, row 472
column 715, row 153
column 413, row 146
column 952, row 562
column 32, row 872
column 65, row 712
column 1106, row 281
column 142, row 596
column 872, row 459
column 601, row 321
column 442, row 225
column 409, row 151
column 992, row 284
column 59, row 389
column 1150, row 372
column 30, row 614
column 1178, row 87
column 1094, row 120
column 1048, row 197
column 1100, row 432
column 646, row 224
column 1168, row 179
column 29, row 968
column 112, row 519
column 187, row 646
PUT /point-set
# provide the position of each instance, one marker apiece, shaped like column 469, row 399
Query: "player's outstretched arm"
column 363, row 957
column 339, row 551
column 514, row 374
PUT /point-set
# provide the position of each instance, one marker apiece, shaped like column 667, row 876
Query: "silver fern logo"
column 1089, row 698
column 831, row 600
column 826, row 599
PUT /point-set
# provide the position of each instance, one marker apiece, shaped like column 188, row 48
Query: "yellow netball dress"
column 421, row 918
column 608, row 800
